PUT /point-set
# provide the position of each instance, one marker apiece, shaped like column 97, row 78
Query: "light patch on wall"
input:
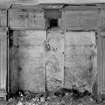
column 55, row 60
column 80, row 60
column 31, row 63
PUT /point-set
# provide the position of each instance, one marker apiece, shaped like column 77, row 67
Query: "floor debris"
column 72, row 97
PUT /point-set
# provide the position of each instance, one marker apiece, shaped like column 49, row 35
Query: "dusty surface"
column 71, row 98
column 26, row 19
column 55, row 60
column 30, row 56
column 77, row 20
column 80, row 60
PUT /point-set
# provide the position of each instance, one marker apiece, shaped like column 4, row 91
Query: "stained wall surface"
column 26, row 19
column 31, row 63
column 55, row 59
column 80, row 60
column 3, row 62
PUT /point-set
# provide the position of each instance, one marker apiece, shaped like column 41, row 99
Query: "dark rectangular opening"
column 53, row 23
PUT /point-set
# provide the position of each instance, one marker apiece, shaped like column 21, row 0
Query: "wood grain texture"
column 101, row 63
column 3, row 62
column 102, row 22
column 103, row 74
column 80, row 19
column 13, row 64
column 33, row 2
column 80, row 60
column 31, row 55
column 3, row 18
column 25, row 19
column 55, row 60
column 59, row 1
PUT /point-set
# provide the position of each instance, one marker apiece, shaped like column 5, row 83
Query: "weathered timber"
column 101, row 63
column 25, row 19
column 80, row 60
column 102, row 19
column 80, row 19
column 31, row 60
column 3, row 18
column 3, row 62
column 55, row 59
column 13, row 63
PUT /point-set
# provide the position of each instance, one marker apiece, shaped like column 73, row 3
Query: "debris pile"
column 61, row 97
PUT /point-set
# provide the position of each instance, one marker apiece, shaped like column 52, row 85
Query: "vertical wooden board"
column 13, row 63
column 103, row 47
column 101, row 63
column 31, row 63
column 3, row 18
column 55, row 60
column 3, row 62
column 80, row 59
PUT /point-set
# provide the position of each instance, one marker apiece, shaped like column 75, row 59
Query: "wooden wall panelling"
column 102, row 20
column 103, row 76
column 3, row 18
column 55, row 60
column 3, row 62
column 26, row 19
column 80, row 19
column 53, row 13
column 17, row 18
column 101, row 63
column 80, row 60
column 36, row 20
column 13, row 63
column 31, row 60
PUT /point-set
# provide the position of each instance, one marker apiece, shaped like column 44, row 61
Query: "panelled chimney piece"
column 63, row 55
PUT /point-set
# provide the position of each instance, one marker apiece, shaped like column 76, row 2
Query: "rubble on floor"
column 64, row 97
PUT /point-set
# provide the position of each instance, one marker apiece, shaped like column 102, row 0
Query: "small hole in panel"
column 53, row 23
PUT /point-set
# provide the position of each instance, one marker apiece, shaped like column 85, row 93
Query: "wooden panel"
column 101, row 63
column 31, row 63
column 33, row 2
column 3, row 62
column 3, row 18
column 13, row 63
column 80, row 60
column 86, row 1
column 80, row 19
column 55, row 14
column 103, row 58
column 102, row 15
column 25, row 2
column 20, row 18
column 55, row 59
